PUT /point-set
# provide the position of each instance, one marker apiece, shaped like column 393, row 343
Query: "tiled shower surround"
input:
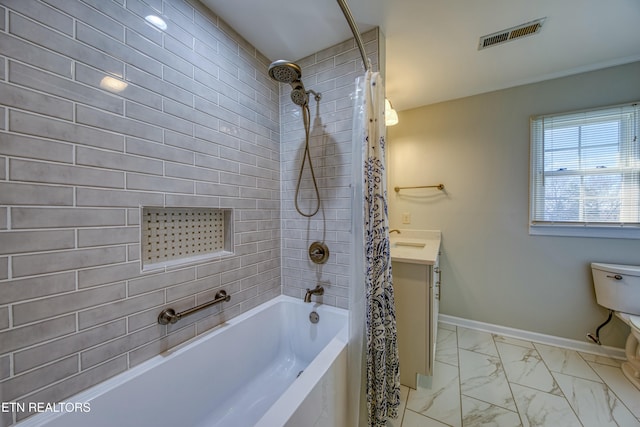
column 199, row 124
column 332, row 73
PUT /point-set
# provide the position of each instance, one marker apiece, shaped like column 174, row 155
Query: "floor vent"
column 512, row 33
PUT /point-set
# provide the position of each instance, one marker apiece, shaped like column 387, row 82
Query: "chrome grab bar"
column 169, row 315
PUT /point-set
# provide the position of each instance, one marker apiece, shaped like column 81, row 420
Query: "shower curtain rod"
column 354, row 29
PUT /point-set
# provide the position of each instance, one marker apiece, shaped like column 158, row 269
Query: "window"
column 585, row 173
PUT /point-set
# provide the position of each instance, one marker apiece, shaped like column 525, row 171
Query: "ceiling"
column 432, row 45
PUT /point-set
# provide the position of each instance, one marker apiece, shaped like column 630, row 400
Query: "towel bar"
column 439, row 187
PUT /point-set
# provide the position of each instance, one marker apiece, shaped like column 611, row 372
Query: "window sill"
column 611, row 232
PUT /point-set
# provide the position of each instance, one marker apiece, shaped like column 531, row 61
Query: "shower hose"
column 306, row 116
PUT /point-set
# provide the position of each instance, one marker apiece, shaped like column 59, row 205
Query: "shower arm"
column 356, row 33
column 316, row 95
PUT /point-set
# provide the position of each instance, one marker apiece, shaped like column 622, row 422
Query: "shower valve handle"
column 318, row 252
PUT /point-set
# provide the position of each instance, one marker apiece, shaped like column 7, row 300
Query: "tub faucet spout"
column 319, row 290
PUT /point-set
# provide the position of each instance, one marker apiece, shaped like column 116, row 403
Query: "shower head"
column 299, row 94
column 284, row 71
column 287, row 72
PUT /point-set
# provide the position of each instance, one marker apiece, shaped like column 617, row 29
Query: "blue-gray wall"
column 478, row 147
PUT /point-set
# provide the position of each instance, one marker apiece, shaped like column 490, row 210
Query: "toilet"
column 618, row 288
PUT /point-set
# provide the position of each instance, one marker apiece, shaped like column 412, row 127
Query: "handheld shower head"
column 299, row 94
column 284, row 71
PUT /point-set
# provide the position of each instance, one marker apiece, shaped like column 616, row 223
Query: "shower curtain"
column 373, row 343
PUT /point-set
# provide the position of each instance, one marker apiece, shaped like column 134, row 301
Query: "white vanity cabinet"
column 416, row 286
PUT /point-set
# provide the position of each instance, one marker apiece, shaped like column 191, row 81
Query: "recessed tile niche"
column 174, row 236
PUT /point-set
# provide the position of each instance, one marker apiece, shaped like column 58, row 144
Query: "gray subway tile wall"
column 199, row 124
column 332, row 72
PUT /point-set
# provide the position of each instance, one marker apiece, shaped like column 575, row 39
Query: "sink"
column 415, row 246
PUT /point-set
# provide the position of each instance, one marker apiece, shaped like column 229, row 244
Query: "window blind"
column 585, row 168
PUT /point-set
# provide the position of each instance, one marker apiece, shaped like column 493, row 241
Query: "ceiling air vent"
column 512, row 33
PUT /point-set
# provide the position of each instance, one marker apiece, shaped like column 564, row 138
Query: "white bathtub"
column 243, row 373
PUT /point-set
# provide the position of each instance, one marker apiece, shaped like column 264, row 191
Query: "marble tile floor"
column 483, row 379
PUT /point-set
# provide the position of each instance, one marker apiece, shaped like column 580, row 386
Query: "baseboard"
column 585, row 347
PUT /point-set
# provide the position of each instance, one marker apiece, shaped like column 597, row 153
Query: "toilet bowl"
column 618, row 288
column 631, row 368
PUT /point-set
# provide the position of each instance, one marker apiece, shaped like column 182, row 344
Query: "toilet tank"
column 617, row 286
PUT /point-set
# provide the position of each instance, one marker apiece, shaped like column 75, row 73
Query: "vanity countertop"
column 415, row 246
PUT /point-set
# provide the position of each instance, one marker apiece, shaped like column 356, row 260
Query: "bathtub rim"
column 103, row 387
